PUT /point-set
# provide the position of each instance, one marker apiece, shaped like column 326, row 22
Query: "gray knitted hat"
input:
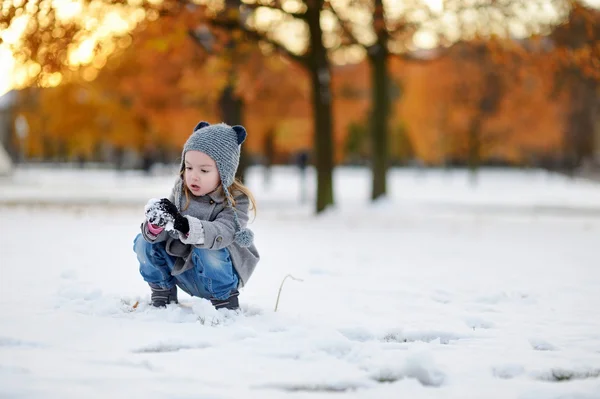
column 222, row 143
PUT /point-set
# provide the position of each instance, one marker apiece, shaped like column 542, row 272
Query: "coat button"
column 212, row 202
column 219, row 239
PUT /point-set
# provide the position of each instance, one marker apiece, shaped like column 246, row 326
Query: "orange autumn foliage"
column 577, row 42
column 155, row 91
column 443, row 96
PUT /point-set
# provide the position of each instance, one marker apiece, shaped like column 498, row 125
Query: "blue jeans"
column 212, row 277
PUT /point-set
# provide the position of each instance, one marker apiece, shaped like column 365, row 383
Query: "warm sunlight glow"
column 394, row 8
column 90, row 73
column 20, row 76
column 101, row 23
column 33, row 68
column 51, row 80
column 11, row 35
column 6, row 66
column 293, row 34
column 293, row 6
column 425, row 40
column 67, row 9
column 435, row 5
column 593, row 3
column 84, row 53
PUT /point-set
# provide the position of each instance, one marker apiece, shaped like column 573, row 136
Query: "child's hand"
column 168, row 207
column 156, row 213
column 179, row 221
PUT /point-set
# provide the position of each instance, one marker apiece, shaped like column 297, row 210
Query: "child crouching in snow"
column 197, row 239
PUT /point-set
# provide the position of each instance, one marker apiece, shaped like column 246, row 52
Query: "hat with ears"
column 222, row 143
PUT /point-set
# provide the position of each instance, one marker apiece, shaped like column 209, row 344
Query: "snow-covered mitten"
column 160, row 297
column 179, row 221
column 155, row 213
column 232, row 302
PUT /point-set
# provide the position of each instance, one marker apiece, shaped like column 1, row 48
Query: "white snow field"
column 443, row 290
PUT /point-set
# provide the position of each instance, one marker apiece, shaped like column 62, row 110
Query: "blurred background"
column 318, row 84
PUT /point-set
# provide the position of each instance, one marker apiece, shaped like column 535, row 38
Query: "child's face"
column 201, row 175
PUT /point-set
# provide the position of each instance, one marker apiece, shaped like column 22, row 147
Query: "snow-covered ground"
column 443, row 290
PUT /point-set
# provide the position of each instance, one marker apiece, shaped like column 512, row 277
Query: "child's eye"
column 204, row 170
column 188, row 168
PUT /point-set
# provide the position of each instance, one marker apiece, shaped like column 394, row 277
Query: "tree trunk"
column 380, row 102
column 581, row 121
column 318, row 65
column 379, row 121
column 231, row 109
column 474, row 149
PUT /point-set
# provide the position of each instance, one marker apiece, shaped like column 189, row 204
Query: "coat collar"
column 217, row 195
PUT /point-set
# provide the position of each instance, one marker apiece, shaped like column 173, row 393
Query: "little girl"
column 197, row 238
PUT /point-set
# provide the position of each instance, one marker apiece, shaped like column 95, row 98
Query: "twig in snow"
column 281, row 286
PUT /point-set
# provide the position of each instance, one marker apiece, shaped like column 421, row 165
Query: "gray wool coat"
column 211, row 214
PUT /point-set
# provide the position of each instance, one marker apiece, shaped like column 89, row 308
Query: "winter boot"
column 160, row 297
column 231, row 303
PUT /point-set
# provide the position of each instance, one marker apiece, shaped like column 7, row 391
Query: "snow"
column 154, row 213
column 442, row 290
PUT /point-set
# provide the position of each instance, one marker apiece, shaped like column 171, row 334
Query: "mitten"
column 179, row 221
column 155, row 213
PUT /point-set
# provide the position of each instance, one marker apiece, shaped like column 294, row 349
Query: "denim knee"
column 216, row 271
column 142, row 249
column 154, row 269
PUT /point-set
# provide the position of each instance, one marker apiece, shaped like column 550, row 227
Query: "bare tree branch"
column 255, row 6
column 344, row 25
column 258, row 36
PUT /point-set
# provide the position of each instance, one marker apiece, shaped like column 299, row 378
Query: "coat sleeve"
column 220, row 233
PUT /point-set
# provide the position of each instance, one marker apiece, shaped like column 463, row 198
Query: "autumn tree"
column 308, row 50
column 48, row 31
column 385, row 33
column 576, row 62
column 570, row 50
column 159, row 84
column 481, row 103
column 312, row 55
column 269, row 23
column 235, row 69
column 507, row 19
column 134, row 102
column 482, row 95
column 385, row 30
column 49, row 42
